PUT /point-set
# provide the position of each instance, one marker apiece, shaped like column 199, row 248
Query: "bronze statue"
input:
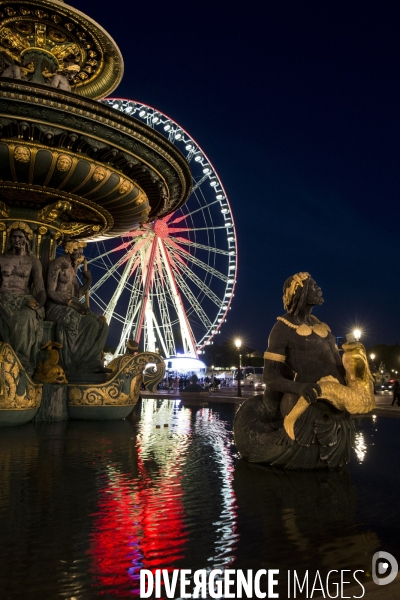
column 303, row 418
column 11, row 67
column 81, row 333
column 62, row 78
column 21, row 312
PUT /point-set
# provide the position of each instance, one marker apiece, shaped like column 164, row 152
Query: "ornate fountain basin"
column 20, row 396
column 115, row 172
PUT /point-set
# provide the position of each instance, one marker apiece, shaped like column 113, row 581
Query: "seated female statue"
column 81, row 333
column 303, row 420
column 21, row 312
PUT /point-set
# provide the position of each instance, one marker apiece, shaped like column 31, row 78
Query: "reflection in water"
column 85, row 505
column 214, row 434
column 306, row 520
column 360, row 446
column 150, row 518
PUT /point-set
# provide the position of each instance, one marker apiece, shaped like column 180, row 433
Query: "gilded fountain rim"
column 110, row 69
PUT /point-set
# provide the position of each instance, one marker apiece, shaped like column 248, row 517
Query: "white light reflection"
column 157, row 439
column 214, row 432
column 360, row 447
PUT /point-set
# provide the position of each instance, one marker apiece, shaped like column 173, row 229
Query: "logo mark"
column 383, row 562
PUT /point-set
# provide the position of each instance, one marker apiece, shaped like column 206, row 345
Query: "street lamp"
column 233, row 369
column 357, row 334
column 238, row 344
column 373, row 368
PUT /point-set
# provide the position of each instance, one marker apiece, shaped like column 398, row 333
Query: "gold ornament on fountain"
column 4, row 210
column 49, row 371
column 99, row 174
column 64, row 162
column 125, row 187
column 74, row 245
column 66, row 38
column 357, row 397
column 40, row 35
column 52, row 212
column 73, row 229
column 41, row 231
column 13, row 41
column 22, row 226
column 65, row 50
column 22, row 154
column 140, row 198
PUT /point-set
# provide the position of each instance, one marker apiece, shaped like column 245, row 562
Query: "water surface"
column 85, row 505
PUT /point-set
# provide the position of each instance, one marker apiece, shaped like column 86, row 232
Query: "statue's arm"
column 52, row 281
column 37, row 276
column 88, row 281
column 278, row 376
column 275, row 361
column 84, row 288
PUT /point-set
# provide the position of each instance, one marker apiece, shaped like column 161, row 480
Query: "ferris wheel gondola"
column 173, row 279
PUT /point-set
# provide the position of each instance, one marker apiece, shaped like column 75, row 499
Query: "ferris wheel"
column 171, row 282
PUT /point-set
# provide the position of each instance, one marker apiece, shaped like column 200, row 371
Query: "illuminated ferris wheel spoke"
column 102, row 305
column 133, row 308
column 201, row 264
column 206, row 228
column 200, row 246
column 210, row 270
column 194, row 303
column 110, row 272
column 148, row 326
column 199, row 183
column 168, row 350
column 175, row 277
column 193, row 212
column 167, row 339
column 189, row 345
column 200, row 284
column 147, row 255
column 99, row 257
column 118, row 291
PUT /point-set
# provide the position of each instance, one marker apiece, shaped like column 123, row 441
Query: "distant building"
column 383, row 375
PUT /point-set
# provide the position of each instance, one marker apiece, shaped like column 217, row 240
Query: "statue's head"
column 132, row 346
column 300, row 290
column 19, row 237
column 22, row 154
column 64, row 162
column 75, row 249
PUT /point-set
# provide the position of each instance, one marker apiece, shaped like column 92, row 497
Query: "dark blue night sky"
column 297, row 106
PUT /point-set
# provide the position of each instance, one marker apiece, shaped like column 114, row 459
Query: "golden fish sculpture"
column 356, row 397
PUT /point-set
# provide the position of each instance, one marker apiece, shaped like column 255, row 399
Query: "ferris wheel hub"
column 160, row 228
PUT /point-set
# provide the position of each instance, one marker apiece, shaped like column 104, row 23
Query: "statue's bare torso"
column 16, row 273
column 62, row 282
column 21, row 306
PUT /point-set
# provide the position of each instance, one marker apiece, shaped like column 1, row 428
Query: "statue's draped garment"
column 82, row 336
column 21, row 327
